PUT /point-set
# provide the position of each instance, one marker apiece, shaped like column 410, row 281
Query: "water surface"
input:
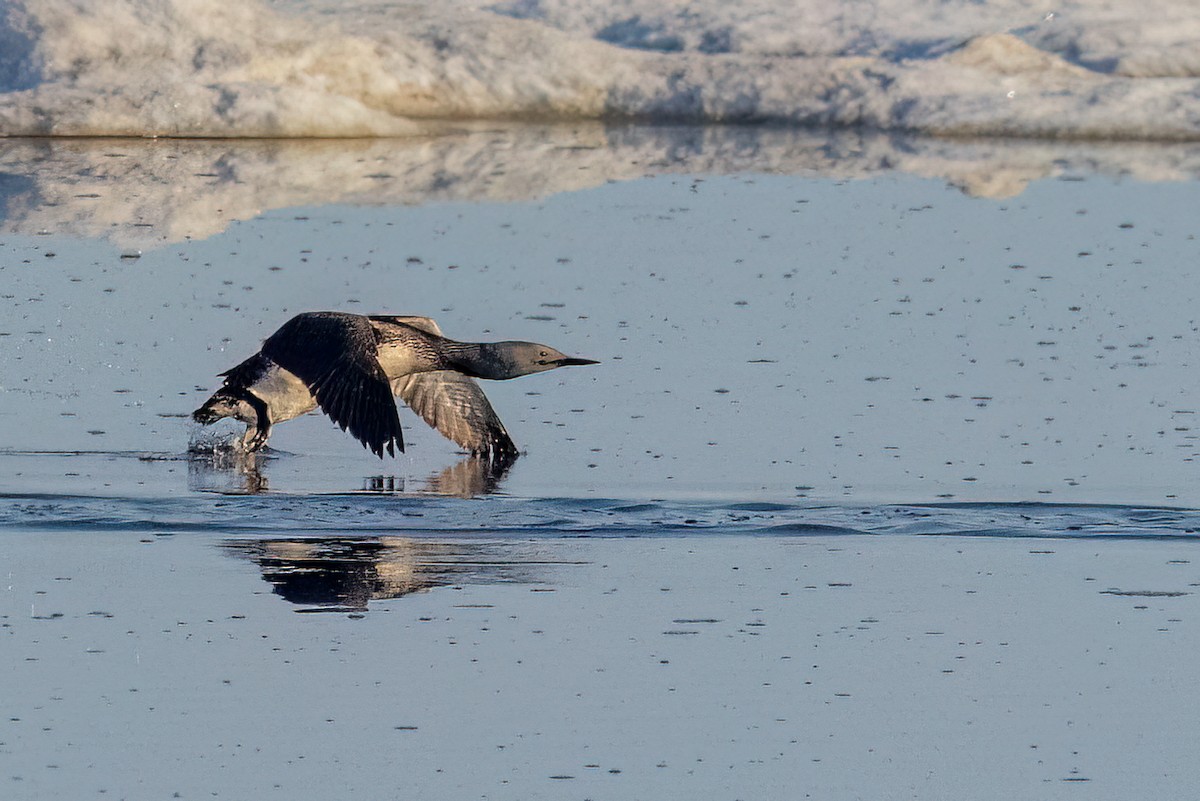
column 883, row 488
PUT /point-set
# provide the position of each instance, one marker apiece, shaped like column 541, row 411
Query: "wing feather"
column 456, row 406
column 334, row 355
column 426, row 324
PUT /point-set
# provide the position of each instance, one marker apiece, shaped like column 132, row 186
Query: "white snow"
column 300, row 68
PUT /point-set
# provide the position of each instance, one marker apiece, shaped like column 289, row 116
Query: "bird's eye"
column 543, row 354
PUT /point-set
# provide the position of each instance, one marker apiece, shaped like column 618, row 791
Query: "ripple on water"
column 502, row 516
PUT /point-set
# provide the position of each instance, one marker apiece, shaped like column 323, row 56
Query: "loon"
column 351, row 365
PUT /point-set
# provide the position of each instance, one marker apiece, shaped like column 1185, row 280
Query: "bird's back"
column 404, row 348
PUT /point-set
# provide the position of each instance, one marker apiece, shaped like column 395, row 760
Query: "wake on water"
column 500, row 517
column 320, row 68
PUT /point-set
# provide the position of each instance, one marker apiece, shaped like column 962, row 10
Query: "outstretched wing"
column 456, row 406
column 425, row 324
column 453, row 403
column 334, row 355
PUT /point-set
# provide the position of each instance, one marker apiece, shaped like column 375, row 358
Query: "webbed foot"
column 255, row 439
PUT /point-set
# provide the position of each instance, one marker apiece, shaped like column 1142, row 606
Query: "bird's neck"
column 475, row 359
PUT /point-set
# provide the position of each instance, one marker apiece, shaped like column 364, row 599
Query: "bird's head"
column 502, row 360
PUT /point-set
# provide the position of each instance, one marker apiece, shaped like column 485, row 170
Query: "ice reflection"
column 341, row 574
column 141, row 193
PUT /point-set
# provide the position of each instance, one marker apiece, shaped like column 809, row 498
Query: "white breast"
column 398, row 362
column 286, row 395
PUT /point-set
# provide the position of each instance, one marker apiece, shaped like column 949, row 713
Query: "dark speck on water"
column 1146, row 593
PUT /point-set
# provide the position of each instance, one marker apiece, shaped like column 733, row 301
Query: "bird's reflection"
column 227, row 470
column 469, row 478
column 342, row 574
